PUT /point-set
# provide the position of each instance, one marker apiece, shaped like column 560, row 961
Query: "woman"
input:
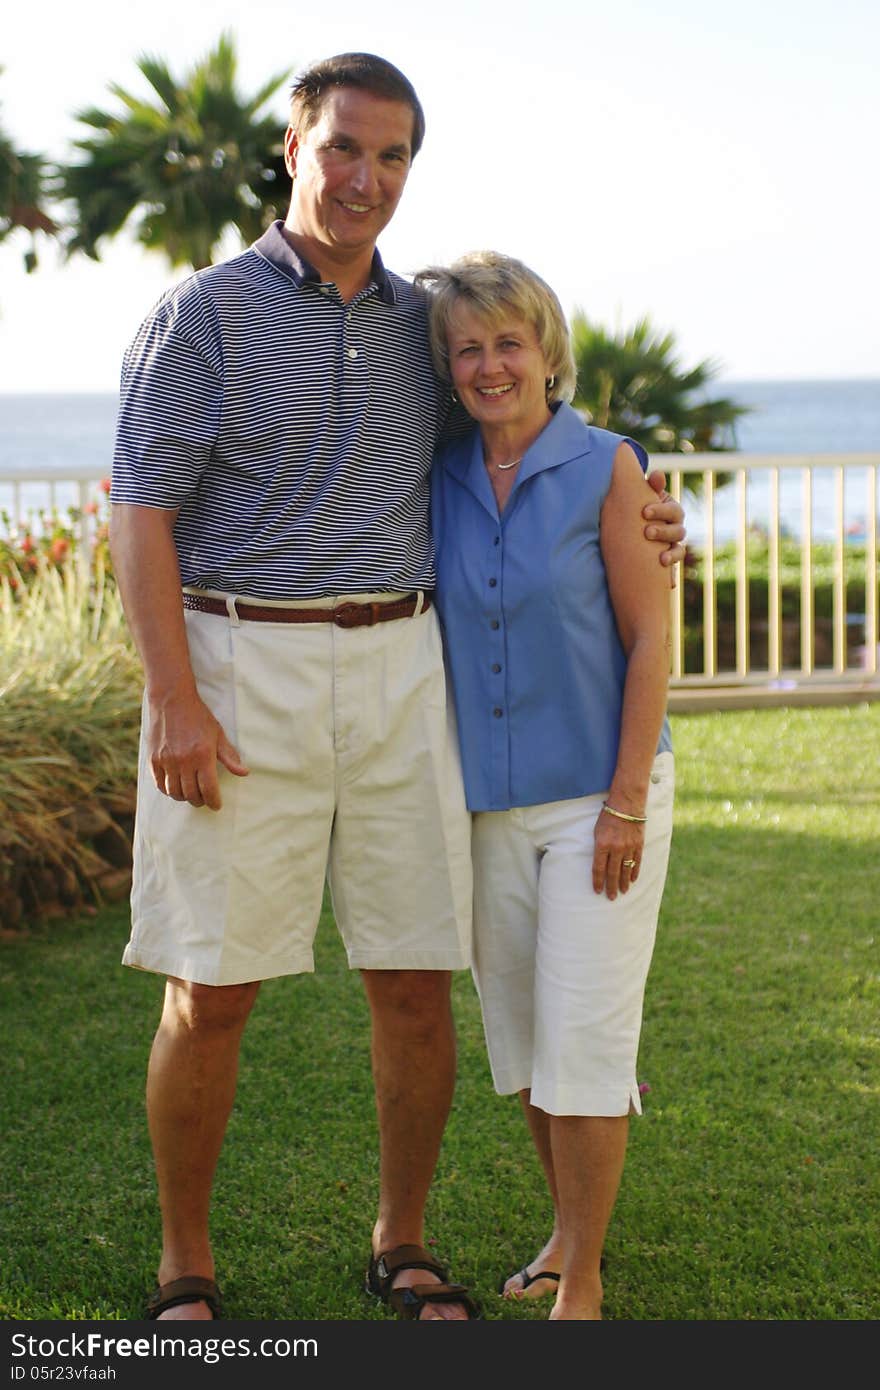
column 555, row 616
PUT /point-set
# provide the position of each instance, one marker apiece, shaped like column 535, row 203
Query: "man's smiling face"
column 349, row 170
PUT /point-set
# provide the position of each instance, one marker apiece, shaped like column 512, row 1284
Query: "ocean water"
column 72, row 432
column 806, row 417
column 798, row 417
column 55, row 431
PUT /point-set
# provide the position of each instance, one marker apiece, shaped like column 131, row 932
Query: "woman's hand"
column 617, row 854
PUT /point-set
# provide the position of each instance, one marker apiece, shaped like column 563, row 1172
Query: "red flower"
column 90, row 509
column 59, row 548
column 105, row 484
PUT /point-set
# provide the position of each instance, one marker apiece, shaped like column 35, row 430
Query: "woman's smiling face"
column 498, row 369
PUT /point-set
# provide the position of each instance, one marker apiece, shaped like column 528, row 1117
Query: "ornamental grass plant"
column 751, row 1189
column 70, row 689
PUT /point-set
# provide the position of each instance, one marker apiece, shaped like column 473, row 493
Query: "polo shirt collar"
column 274, row 247
column 564, row 438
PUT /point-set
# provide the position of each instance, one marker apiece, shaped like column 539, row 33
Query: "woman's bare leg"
column 588, row 1156
column 550, row 1256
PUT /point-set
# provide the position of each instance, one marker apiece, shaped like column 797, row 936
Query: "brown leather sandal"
column 191, row 1288
column 408, row 1302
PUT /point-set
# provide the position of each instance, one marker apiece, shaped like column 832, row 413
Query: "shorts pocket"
column 661, row 788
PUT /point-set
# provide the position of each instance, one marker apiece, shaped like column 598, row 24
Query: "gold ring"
column 628, row 863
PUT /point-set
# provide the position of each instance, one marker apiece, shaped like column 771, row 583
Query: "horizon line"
column 716, row 381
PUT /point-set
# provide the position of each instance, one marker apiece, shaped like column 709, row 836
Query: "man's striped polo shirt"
column 294, row 431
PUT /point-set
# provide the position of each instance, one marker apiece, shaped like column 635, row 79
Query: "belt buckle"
column 354, row 615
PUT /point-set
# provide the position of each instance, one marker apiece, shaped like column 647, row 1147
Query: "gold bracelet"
column 622, row 815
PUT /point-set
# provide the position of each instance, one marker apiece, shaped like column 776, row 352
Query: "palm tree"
column 22, row 193
column 632, row 382
column 183, row 168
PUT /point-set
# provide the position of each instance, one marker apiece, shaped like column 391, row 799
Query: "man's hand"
column 186, row 744
column 667, row 522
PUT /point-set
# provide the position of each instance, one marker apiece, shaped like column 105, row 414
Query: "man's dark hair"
column 364, row 70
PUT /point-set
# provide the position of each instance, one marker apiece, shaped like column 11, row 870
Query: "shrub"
column 822, row 571
column 70, row 689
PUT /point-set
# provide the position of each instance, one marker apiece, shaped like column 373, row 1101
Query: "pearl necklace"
column 512, row 464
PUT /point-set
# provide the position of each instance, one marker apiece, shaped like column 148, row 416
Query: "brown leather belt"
column 344, row 615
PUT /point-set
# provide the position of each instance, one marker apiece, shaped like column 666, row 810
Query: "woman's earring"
column 550, row 383
column 454, row 395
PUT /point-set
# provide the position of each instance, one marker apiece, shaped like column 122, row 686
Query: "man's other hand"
column 666, row 523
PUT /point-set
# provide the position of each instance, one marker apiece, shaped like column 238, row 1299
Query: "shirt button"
column 325, row 289
column 493, row 583
column 496, row 668
column 497, row 540
column 497, row 712
column 494, row 624
column 352, row 353
column 655, row 776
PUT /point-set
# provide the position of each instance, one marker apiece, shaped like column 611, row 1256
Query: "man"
column 278, row 416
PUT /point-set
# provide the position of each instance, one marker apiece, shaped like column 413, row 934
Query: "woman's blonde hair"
column 494, row 285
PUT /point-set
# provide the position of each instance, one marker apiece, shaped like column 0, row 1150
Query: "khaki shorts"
column 561, row 969
column 354, row 778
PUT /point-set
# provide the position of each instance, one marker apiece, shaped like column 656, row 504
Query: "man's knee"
column 417, row 1000
column 195, row 1008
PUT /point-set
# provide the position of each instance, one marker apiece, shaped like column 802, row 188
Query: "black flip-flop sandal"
column 528, row 1279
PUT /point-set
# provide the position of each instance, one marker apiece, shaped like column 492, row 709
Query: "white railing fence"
column 792, row 540
column 742, row 616
column 27, row 499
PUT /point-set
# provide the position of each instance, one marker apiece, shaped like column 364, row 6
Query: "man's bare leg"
column 413, row 1052
column 190, row 1089
column 588, row 1157
column 550, row 1256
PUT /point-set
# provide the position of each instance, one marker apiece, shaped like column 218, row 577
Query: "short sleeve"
column 170, row 403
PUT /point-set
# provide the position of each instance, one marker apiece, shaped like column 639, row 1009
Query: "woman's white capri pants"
column 561, row 969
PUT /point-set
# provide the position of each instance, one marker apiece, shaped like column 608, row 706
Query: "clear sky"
column 711, row 163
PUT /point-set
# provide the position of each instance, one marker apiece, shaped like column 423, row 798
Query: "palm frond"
column 181, row 170
column 633, row 382
column 24, row 190
column 157, row 73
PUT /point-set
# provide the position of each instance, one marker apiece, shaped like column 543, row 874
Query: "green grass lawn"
column 752, row 1185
